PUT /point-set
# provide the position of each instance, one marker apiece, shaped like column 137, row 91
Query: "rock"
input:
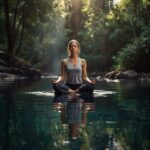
column 14, row 65
column 121, row 75
column 111, row 80
column 99, row 78
column 7, row 76
column 15, row 71
column 111, row 75
column 144, row 76
column 2, row 62
column 131, row 74
column 32, row 72
column 5, row 69
column 13, row 61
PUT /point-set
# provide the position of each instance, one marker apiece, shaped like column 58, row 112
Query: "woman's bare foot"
column 71, row 91
column 77, row 90
column 72, row 95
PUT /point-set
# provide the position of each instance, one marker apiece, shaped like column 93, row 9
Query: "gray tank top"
column 74, row 73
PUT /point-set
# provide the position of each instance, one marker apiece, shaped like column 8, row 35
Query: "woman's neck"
column 73, row 56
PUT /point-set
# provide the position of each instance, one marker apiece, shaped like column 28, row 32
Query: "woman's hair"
column 70, row 42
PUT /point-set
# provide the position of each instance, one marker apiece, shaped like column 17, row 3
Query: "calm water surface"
column 115, row 117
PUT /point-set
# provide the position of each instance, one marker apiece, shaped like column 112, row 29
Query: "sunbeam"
column 117, row 1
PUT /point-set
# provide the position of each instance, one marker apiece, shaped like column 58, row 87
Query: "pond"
column 115, row 117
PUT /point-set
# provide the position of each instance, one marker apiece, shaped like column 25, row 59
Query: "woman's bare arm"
column 62, row 76
column 84, row 72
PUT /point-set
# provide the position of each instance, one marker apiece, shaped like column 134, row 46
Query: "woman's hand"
column 93, row 81
column 58, row 80
column 54, row 81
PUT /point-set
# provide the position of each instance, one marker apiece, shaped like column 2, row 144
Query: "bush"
column 135, row 55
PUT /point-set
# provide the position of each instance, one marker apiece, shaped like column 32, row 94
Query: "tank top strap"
column 79, row 60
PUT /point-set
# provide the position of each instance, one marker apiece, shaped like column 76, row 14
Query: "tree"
column 8, row 27
column 75, row 18
column 19, row 15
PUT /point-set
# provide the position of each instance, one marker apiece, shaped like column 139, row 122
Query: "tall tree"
column 8, row 27
column 14, row 25
column 75, row 20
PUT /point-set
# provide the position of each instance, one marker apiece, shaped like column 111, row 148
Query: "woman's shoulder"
column 83, row 60
column 65, row 60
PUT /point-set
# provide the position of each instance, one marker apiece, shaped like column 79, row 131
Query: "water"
column 116, row 117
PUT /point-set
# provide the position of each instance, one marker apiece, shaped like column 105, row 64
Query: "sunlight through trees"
column 34, row 30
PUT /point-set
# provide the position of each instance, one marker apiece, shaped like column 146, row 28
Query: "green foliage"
column 106, row 30
column 94, row 62
column 136, row 54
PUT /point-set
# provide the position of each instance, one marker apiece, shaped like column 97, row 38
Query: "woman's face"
column 73, row 48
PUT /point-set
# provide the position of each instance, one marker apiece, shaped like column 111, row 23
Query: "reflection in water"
column 74, row 109
column 121, row 120
column 7, row 93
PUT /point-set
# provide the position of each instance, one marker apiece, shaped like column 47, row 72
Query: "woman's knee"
column 88, row 87
column 91, row 86
column 56, row 86
column 60, row 87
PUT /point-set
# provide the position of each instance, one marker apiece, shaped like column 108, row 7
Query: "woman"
column 73, row 73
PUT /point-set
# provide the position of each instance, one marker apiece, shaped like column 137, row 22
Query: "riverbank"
column 12, row 68
column 122, row 75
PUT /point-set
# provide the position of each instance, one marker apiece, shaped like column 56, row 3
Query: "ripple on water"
column 97, row 93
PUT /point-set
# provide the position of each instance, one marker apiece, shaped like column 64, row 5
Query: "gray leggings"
column 61, row 88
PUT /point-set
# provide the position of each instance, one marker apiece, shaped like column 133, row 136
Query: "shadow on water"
column 115, row 117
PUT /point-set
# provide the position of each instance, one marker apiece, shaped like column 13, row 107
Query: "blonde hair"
column 70, row 42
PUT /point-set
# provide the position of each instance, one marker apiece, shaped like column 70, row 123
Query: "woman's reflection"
column 74, row 110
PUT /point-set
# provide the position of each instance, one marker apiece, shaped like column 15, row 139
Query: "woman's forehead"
column 73, row 43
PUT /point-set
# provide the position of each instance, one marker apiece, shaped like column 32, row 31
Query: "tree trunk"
column 8, row 28
column 21, row 39
column 14, row 22
column 136, row 6
column 76, row 17
column 21, row 22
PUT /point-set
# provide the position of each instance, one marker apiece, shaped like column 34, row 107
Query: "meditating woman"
column 73, row 78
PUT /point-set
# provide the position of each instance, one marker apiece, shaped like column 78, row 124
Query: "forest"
column 114, row 37
column 113, row 34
